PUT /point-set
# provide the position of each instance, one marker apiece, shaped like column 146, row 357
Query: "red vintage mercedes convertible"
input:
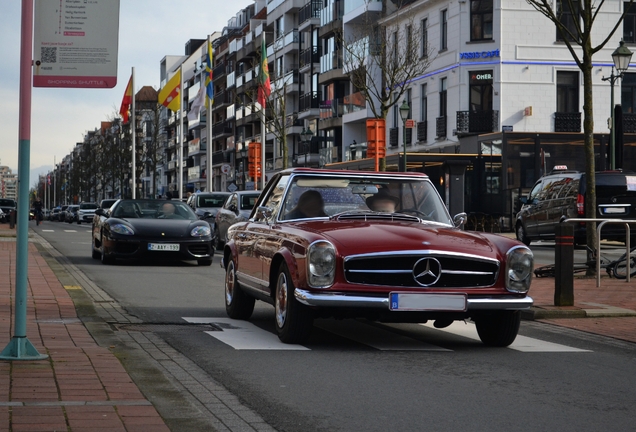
column 373, row 245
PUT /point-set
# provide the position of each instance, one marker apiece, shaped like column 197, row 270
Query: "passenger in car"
column 383, row 202
column 310, row 204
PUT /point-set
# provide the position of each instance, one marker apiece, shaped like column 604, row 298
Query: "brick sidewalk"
column 81, row 386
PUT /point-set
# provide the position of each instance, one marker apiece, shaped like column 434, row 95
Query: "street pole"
column 613, row 131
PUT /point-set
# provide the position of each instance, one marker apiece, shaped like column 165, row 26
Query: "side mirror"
column 460, row 219
column 233, row 208
column 264, row 212
column 99, row 212
column 207, row 215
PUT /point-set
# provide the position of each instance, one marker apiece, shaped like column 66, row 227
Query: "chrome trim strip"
column 250, row 281
column 462, row 272
column 423, row 252
column 380, row 271
column 364, row 301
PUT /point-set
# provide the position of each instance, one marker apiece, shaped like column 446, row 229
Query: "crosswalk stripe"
column 521, row 343
column 243, row 335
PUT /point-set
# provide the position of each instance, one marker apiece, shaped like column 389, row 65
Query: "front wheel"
column 498, row 329
column 294, row 320
column 522, row 236
column 238, row 304
column 620, row 269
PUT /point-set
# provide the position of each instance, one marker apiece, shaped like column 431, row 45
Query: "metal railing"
column 602, row 223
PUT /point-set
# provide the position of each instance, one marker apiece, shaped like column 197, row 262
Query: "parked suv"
column 86, row 212
column 561, row 195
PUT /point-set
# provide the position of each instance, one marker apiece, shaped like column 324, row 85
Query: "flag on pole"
column 126, row 101
column 264, row 86
column 48, row 179
column 196, row 106
column 170, row 94
column 209, row 85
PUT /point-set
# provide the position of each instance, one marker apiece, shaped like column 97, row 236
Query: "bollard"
column 564, row 265
column 12, row 219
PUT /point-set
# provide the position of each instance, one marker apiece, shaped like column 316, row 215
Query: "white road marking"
column 70, row 231
column 48, row 230
column 243, row 335
column 521, row 343
column 375, row 337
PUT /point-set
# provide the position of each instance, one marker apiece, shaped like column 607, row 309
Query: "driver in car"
column 168, row 209
column 383, row 202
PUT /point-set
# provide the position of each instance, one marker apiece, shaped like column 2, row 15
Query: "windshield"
column 248, row 201
column 7, row 203
column 152, row 209
column 88, row 206
column 322, row 196
column 211, row 200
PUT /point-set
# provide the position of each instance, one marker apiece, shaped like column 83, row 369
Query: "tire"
column 106, row 259
column 294, row 321
column 238, row 304
column 96, row 253
column 522, row 236
column 205, row 262
column 620, row 270
column 498, row 329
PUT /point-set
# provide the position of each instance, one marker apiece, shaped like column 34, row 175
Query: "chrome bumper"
column 362, row 301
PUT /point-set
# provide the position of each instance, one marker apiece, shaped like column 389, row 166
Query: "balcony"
column 219, row 157
column 476, row 122
column 195, row 146
column 287, row 81
column 422, row 131
column 629, row 123
column 309, row 11
column 221, row 128
column 219, row 71
column 330, row 61
column 567, row 122
column 333, row 12
column 308, row 101
column 331, row 108
column 394, row 134
column 308, row 56
column 194, row 173
column 440, row 127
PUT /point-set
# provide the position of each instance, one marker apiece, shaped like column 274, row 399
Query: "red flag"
column 126, row 101
column 264, row 86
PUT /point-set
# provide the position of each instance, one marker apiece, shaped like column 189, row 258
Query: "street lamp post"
column 243, row 156
column 404, row 114
column 305, row 139
column 621, row 57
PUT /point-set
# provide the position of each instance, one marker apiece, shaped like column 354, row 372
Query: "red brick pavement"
column 81, row 386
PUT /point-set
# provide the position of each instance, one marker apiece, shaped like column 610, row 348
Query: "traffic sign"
column 409, row 124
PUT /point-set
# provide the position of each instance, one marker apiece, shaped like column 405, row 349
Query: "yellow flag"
column 170, row 94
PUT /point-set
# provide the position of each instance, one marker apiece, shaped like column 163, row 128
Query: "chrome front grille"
column 419, row 269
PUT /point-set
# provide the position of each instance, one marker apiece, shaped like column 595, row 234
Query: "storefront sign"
column 478, row 55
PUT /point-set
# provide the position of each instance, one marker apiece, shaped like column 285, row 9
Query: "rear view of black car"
column 6, row 205
column 562, row 194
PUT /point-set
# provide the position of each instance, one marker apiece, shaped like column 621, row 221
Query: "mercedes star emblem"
column 427, row 271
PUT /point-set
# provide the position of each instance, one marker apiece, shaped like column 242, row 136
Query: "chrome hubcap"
column 281, row 300
column 229, row 283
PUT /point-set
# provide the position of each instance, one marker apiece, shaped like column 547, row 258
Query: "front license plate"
column 163, row 247
column 427, row 302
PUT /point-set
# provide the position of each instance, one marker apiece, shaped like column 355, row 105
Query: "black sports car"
column 151, row 228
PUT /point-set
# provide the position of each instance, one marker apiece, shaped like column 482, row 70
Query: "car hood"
column 373, row 237
column 169, row 228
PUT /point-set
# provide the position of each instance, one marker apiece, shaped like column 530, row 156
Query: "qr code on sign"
column 49, row 55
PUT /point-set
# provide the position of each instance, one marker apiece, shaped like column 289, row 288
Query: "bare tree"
column 577, row 32
column 382, row 58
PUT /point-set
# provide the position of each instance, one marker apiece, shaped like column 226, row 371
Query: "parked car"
column 107, row 203
column 53, row 216
column 333, row 256
column 86, row 212
column 71, row 214
column 237, row 208
column 207, row 204
column 561, row 195
column 62, row 215
column 133, row 229
column 7, row 205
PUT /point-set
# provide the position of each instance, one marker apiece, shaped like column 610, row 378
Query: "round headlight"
column 519, row 265
column 321, row 259
column 122, row 229
column 200, row 231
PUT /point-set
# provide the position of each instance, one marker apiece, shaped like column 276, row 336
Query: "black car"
column 155, row 229
column 7, row 205
column 71, row 214
column 561, row 195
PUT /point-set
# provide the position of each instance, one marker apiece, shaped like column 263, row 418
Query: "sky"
column 60, row 117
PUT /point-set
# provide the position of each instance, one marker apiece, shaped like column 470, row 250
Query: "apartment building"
column 8, row 183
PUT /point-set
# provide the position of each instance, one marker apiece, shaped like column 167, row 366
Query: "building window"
column 423, row 103
column 567, row 92
column 480, row 20
column 481, row 90
column 443, row 28
column 407, row 98
column 568, row 14
column 628, row 93
column 424, row 26
column 629, row 23
column 408, row 31
column 442, row 97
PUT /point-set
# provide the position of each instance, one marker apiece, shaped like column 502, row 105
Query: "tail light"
column 580, row 205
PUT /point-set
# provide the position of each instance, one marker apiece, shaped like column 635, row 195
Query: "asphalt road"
column 361, row 376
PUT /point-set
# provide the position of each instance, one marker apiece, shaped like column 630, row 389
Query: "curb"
column 538, row 313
